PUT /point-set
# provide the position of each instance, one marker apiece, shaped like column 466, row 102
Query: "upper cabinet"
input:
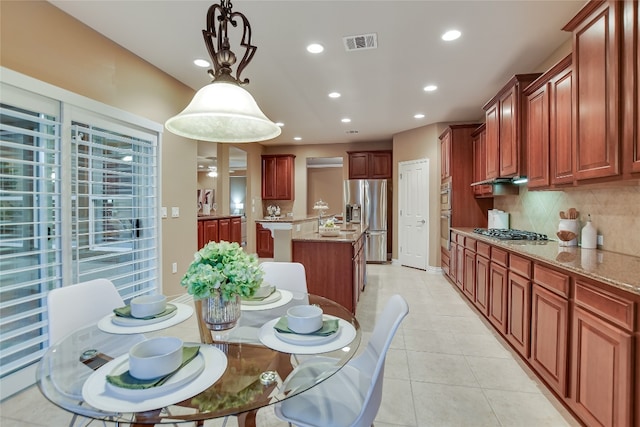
column 549, row 127
column 597, row 89
column 370, row 164
column 479, row 138
column 631, row 94
column 506, row 129
column 278, row 177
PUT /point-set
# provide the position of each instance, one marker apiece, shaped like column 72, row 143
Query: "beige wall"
column 40, row 41
column 326, row 184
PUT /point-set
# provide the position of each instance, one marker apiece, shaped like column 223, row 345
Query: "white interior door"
column 413, row 222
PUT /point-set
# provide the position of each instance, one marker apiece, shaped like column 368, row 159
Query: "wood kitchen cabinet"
column 550, row 326
column 631, row 90
column 469, row 274
column 498, row 290
column 602, row 356
column 445, row 156
column 597, row 34
column 479, row 141
column 506, row 129
column 460, row 261
column 370, row 164
column 224, row 229
column 211, row 231
column 483, row 262
column 236, row 230
column 278, row 177
column 228, row 229
column 519, row 304
column 264, row 242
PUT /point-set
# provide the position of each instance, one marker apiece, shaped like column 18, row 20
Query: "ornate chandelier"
column 223, row 111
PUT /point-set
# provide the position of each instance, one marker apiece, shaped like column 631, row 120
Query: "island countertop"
column 348, row 233
column 618, row 270
column 291, row 219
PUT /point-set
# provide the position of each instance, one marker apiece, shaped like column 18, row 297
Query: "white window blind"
column 78, row 201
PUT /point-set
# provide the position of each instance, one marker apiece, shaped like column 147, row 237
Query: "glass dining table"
column 236, row 372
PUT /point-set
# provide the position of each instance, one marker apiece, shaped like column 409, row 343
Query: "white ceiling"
column 381, row 89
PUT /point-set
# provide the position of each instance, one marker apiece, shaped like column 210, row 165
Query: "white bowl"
column 148, row 305
column 155, row 357
column 304, row 319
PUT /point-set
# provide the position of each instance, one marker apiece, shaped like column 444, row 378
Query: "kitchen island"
column 570, row 313
column 281, row 230
column 335, row 266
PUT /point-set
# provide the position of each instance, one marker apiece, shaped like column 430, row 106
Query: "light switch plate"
column 163, row 212
column 175, row 212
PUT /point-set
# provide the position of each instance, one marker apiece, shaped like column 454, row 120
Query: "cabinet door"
column 498, row 297
column 445, row 156
column 631, row 90
column 601, row 371
column 210, row 231
column 264, row 242
column 269, row 178
column 482, row 284
column 596, row 95
column 508, row 137
column 224, row 229
column 236, row 230
column 201, row 241
column 453, row 251
column 358, row 166
column 284, row 178
column 561, row 129
column 538, row 138
column 549, row 332
column 492, row 144
column 469, row 285
column 460, row 266
column 380, row 165
column 519, row 312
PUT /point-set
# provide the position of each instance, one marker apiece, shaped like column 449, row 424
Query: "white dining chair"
column 352, row 396
column 290, row 276
column 72, row 307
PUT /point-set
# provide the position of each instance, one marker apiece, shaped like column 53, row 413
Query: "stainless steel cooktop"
column 509, row 234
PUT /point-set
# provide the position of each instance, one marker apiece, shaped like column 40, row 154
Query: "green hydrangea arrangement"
column 224, row 268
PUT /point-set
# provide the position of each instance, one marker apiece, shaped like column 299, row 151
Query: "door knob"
column 422, row 222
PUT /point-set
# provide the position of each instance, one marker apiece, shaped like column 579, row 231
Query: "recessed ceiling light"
column 346, row 120
column 297, row 138
column 334, row 95
column 430, row 88
column 279, row 124
column 451, row 35
column 202, row 63
column 315, row 48
column 419, row 116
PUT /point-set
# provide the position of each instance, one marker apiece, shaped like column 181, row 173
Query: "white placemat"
column 182, row 313
column 346, row 333
column 96, row 393
column 286, row 297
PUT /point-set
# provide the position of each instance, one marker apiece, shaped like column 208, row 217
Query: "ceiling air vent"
column 361, row 42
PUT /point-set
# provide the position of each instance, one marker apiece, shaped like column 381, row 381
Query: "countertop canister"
column 589, row 238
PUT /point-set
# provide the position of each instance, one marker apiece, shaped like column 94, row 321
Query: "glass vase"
column 219, row 314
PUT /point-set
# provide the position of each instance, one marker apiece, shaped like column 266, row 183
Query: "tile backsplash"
column 615, row 212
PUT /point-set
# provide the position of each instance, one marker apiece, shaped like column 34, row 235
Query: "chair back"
column 373, row 357
column 290, row 276
column 75, row 306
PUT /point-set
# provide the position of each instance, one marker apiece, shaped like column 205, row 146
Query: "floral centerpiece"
column 222, row 268
column 220, row 274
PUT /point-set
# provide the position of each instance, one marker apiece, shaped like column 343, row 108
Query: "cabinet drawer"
column 470, row 243
column 611, row 307
column 460, row 239
column 499, row 256
column 551, row 280
column 520, row 265
column 483, row 249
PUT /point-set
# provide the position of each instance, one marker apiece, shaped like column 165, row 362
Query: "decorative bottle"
column 589, row 235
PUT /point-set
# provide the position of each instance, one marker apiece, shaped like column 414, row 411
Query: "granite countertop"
column 621, row 271
column 293, row 219
column 208, row 217
column 348, row 233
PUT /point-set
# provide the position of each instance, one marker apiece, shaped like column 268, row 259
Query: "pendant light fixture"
column 223, row 111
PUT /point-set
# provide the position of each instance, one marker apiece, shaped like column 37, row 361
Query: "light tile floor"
column 446, row 367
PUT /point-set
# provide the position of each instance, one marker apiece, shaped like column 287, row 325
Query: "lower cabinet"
column 498, row 296
column 581, row 336
column 264, row 242
column 236, row 230
column 228, row 229
column 224, row 229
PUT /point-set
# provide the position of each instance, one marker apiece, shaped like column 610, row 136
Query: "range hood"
column 516, row 180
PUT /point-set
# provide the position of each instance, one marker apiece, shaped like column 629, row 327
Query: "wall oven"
column 445, row 196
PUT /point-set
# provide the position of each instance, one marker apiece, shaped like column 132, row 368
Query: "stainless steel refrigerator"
column 370, row 196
